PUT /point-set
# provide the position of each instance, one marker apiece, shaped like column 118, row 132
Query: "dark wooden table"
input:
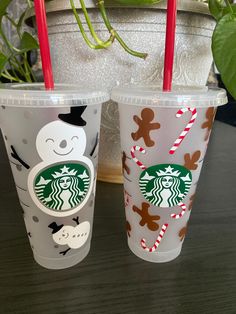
column 111, row 279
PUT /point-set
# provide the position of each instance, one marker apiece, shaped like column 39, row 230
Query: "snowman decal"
column 73, row 237
column 61, row 184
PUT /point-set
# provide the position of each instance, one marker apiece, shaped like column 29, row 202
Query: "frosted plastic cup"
column 51, row 139
column 164, row 138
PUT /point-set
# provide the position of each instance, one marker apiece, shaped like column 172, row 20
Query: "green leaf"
column 3, row 7
column 28, row 42
column 21, row 20
column 3, row 61
column 216, row 8
column 224, row 51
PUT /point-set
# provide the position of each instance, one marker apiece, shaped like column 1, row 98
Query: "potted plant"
column 141, row 27
column 15, row 63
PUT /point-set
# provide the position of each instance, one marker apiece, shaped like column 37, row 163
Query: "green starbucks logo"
column 62, row 187
column 165, row 185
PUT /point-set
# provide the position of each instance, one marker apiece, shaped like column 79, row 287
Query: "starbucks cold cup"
column 51, row 139
column 164, row 138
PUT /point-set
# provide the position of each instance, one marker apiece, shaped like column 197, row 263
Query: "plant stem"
column 229, row 6
column 92, row 31
column 31, row 71
column 14, row 72
column 12, row 56
column 16, row 66
column 11, row 20
column 86, row 39
column 17, row 30
column 27, row 72
column 29, row 4
column 7, row 42
column 32, row 74
column 115, row 34
column 8, row 76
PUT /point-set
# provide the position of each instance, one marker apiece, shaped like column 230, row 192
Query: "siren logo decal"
column 165, row 185
column 62, row 187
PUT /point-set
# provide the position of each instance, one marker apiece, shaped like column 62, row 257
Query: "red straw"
column 41, row 21
column 170, row 44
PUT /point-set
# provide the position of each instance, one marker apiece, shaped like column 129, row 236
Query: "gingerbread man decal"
column 145, row 126
column 210, row 116
column 146, row 218
column 191, row 161
column 124, row 164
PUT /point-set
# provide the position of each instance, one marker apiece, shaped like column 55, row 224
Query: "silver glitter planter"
column 143, row 29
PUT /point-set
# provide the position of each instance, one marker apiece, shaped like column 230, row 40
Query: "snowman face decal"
column 62, row 183
column 58, row 141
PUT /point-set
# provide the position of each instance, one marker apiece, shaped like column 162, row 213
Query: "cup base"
column 63, row 262
column 154, row 257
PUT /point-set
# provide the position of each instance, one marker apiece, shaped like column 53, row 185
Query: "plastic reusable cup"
column 52, row 139
column 164, row 137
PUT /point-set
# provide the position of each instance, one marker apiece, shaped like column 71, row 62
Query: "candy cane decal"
column 158, row 240
column 186, row 130
column 141, row 150
column 177, row 216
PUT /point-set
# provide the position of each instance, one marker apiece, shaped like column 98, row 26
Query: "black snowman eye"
column 74, row 137
column 49, row 139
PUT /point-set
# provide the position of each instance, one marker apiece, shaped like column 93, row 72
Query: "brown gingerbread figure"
column 191, row 162
column 183, row 232
column 145, row 126
column 210, row 116
column 191, row 202
column 147, row 219
column 128, row 228
column 124, row 164
column 127, row 198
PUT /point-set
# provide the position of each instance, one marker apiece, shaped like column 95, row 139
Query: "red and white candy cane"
column 158, row 240
column 141, row 150
column 186, row 130
column 177, row 216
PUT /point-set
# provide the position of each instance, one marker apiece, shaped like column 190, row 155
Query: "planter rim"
column 64, row 5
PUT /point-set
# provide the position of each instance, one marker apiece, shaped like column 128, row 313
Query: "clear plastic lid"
column 35, row 95
column 190, row 96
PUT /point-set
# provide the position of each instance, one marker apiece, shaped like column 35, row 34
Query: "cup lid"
column 35, row 95
column 180, row 96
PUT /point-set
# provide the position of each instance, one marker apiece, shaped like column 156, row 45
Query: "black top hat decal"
column 55, row 228
column 74, row 117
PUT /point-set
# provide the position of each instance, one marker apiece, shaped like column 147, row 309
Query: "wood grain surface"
column 111, row 279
